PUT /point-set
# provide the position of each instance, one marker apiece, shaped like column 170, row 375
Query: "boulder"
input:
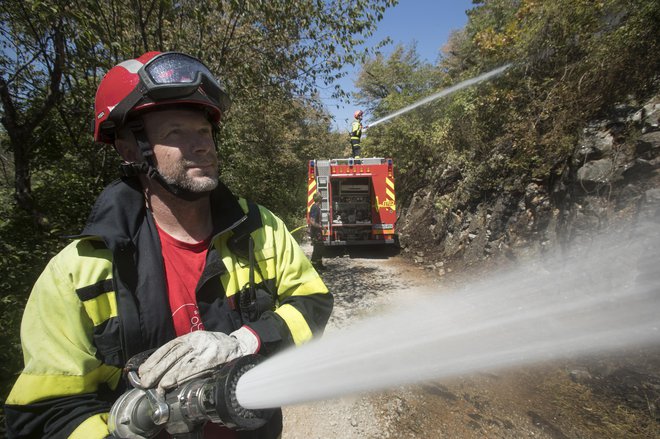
column 597, row 171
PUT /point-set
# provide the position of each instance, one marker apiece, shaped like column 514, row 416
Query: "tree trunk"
column 22, row 178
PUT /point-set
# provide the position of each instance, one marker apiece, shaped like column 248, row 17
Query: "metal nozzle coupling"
column 141, row 413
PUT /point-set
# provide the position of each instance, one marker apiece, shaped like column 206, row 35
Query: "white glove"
column 194, row 354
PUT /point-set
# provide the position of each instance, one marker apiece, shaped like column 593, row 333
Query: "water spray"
column 600, row 298
column 445, row 92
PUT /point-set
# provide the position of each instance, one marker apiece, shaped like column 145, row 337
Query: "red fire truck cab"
column 359, row 205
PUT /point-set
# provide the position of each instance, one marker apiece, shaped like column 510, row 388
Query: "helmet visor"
column 176, row 75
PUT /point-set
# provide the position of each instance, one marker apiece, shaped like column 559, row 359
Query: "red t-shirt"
column 184, row 264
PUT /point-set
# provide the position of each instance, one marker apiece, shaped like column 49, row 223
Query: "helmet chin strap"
column 148, row 166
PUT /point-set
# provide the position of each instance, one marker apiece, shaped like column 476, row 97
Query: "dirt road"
column 614, row 397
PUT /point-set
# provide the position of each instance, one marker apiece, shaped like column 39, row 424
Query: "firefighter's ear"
column 126, row 146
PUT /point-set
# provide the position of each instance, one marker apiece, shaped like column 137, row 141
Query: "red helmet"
column 358, row 114
column 155, row 79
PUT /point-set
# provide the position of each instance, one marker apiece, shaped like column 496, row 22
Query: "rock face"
column 612, row 175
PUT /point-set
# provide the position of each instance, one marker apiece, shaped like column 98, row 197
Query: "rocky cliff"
column 612, row 177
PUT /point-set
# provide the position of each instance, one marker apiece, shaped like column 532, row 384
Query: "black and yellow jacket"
column 356, row 130
column 103, row 299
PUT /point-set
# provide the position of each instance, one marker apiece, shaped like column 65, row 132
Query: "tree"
column 30, row 84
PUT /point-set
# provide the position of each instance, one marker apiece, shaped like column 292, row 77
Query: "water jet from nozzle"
column 601, row 297
column 445, row 92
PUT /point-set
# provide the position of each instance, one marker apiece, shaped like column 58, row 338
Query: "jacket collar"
column 120, row 210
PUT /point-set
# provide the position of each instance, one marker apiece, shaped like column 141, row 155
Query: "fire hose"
column 142, row 413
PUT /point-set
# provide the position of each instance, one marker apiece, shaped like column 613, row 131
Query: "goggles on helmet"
column 176, row 75
column 172, row 77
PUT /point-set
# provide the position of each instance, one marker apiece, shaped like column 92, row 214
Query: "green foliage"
column 573, row 61
column 274, row 151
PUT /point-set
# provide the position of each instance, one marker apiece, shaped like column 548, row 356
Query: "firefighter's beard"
column 182, row 183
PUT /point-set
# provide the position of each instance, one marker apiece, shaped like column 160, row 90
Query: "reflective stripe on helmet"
column 132, row 65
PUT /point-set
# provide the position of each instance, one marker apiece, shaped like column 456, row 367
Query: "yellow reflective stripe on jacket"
column 92, row 428
column 34, row 388
column 101, row 308
column 296, row 323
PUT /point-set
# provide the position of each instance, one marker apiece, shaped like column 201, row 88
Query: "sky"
column 428, row 23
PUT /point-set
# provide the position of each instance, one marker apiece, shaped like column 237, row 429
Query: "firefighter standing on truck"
column 356, row 133
column 163, row 262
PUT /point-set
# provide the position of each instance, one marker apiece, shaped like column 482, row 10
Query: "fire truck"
column 359, row 205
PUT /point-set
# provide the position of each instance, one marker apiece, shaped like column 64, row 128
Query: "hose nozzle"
column 141, row 413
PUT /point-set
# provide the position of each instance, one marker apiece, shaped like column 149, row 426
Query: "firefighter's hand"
column 193, row 355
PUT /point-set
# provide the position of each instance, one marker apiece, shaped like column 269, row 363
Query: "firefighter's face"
column 184, row 150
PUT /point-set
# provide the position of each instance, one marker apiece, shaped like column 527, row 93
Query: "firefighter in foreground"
column 169, row 259
column 356, row 133
column 316, row 232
